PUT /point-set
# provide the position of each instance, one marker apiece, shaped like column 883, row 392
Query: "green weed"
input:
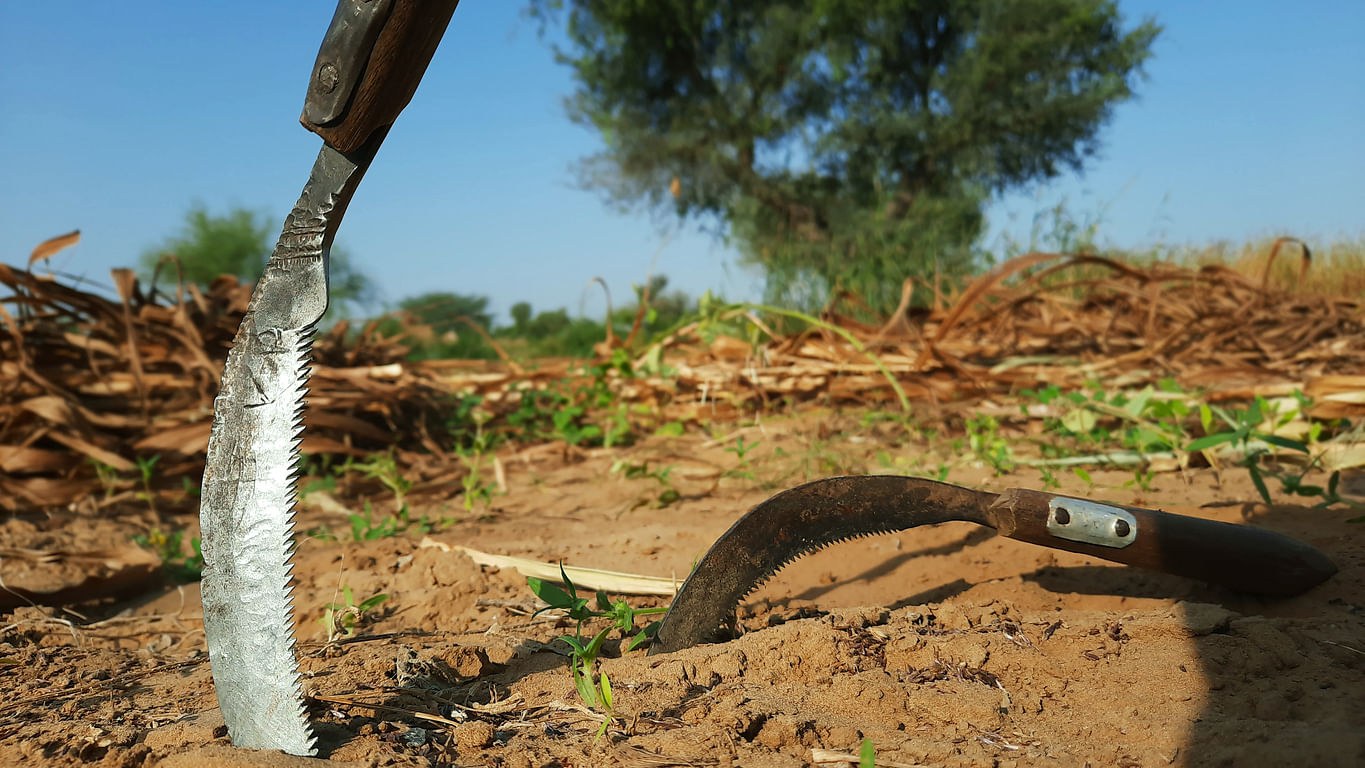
column 983, row 435
column 635, row 470
column 108, row 477
column 474, row 456
column 594, row 689
column 1244, row 429
column 741, row 450
column 341, row 619
column 175, row 562
column 368, row 528
column 384, row 468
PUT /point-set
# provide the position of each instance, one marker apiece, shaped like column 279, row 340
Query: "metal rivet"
column 1121, row 528
column 1062, row 516
column 328, row 77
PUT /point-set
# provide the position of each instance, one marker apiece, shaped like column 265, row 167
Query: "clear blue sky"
column 115, row 117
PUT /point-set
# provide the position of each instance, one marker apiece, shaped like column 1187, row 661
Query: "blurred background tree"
column 238, row 244
column 841, row 143
column 437, row 326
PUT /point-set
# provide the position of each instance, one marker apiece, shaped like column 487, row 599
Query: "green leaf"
column 372, row 602
column 567, row 581
column 596, row 644
column 867, row 756
column 670, row 429
column 553, row 596
column 606, row 691
column 645, row 634
column 586, row 690
column 1083, row 475
column 1138, row 404
column 1285, row 442
column 1259, row 482
column 1079, row 421
column 1208, row 441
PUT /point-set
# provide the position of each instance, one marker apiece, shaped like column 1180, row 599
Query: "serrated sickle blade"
column 248, row 495
column 813, row 516
column 795, row 523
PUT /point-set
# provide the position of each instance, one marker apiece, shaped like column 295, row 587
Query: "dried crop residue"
column 944, row 646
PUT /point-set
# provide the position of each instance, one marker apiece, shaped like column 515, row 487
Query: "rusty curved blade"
column 247, row 500
column 795, row 523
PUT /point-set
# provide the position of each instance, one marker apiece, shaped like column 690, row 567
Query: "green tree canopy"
column 438, row 324
column 238, row 244
column 842, row 142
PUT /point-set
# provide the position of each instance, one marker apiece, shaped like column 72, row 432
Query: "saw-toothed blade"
column 248, row 494
column 795, row 523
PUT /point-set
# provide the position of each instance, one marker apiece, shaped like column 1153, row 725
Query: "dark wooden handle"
column 1240, row 557
column 397, row 62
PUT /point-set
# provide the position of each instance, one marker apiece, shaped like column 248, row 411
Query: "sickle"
column 810, row 517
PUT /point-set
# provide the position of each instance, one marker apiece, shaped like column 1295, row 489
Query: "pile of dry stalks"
column 89, row 385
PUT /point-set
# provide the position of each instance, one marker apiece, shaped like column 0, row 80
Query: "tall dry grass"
column 1336, row 267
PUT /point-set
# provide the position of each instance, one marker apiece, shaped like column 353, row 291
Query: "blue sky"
column 115, row 118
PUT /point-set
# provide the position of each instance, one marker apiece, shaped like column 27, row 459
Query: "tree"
column 842, row 142
column 238, row 244
column 521, row 317
column 439, row 324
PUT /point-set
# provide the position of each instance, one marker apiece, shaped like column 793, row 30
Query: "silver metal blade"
column 248, row 495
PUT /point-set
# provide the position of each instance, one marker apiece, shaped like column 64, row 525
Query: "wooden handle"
column 396, row 64
column 1239, row 557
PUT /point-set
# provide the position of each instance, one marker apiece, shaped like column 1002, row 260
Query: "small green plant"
column 1085, row 477
column 324, row 483
column 367, row 528
column 109, row 478
column 569, row 426
column 340, row 619
column 474, row 455
column 635, row 470
column 867, row 756
column 741, row 450
column 594, row 689
column 384, row 468
column 146, row 467
column 1048, row 479
column 175, row 563
column 1244, row 430
column 1148, row 421
column 1142, row 478
column 983, row 435
column 670, row 429
column 321, row 533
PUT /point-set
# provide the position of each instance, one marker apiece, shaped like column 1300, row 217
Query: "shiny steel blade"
column 248, row 495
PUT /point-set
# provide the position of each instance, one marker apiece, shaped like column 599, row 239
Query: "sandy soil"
column 946, row 646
